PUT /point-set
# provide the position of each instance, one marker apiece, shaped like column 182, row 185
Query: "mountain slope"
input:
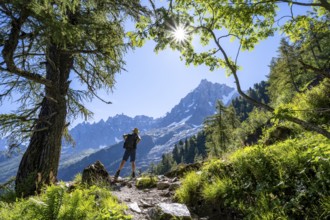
column 102, row 138
column 199, row 103
column 183, row 121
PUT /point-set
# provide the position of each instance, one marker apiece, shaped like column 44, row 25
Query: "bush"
column 59, row 204
column 187, row 192
column 289, row 179
column 314, row 105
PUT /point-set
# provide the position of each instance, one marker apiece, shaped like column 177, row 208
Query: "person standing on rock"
column 131, row 141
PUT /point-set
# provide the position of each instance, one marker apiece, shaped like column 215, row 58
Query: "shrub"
column 289, row 179
column 314, row 104
column 188, row 192
column 217, row 190
column 59, row 204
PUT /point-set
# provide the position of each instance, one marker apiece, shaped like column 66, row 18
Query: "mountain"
column 199, row 103
column 104, row 138
column 105, row 133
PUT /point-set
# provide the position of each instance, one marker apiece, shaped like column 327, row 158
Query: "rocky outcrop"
column 95, row 174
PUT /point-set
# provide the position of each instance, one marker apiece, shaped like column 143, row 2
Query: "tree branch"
column 304, row 124
column 8, row 52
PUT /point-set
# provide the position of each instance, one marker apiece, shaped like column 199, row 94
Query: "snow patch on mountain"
column 227, row 98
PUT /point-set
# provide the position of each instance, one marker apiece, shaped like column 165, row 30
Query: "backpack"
column 130, row 141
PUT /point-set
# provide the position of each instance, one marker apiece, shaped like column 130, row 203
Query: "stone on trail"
column 174, row 186
column 134, row 207
column 163, row 185
column 95, row 174
column 164, row 211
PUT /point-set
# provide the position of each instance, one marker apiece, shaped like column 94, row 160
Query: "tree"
column 44, row 46
column 219, row 129
column 247, row 22
column 300, row 65
column 258, row 92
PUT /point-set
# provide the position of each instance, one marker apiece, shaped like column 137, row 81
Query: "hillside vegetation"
column 287, row 180
column 260, row 162
column 64, row 203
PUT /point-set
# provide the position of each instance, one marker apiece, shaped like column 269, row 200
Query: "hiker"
column 131, row 141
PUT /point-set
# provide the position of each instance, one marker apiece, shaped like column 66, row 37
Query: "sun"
column 179, row 34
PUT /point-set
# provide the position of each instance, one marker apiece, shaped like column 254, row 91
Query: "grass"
column 287, row 180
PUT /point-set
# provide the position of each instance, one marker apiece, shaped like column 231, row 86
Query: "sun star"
column 179, row 34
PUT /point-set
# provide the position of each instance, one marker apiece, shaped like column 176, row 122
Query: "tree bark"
column 39, row 164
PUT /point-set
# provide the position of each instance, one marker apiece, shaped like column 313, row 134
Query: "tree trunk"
column 39, row 164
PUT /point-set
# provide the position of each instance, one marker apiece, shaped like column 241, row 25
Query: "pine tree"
column 219, row 129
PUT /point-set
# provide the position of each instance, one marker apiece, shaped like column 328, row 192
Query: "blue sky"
column 154, row 83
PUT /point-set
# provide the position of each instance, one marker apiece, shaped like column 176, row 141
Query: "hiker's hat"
column 136, row 130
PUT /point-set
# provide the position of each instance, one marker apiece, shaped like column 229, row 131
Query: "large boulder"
column 95, row 174
column 164, row 211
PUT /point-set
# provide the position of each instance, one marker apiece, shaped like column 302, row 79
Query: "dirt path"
column 140, row 201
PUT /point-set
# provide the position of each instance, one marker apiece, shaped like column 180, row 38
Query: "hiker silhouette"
column 130, row 144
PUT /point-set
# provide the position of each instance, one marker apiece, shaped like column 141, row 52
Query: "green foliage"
column 187, row 193
column 78, row 178
column 58, row 203
column 314, row 104
column 303, row 62
column 146, row 182
column 167, row 163
column 258, row 93
column 217, row 189
column 7, row 192
column 325, row 206
column 288, row 180
column 219, row 129
column 76, row 31
column 191, row 151
column 252, row 128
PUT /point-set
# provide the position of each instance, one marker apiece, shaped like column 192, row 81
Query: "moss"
column 146, row 182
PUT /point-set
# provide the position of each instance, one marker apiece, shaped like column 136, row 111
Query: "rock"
column 134, row 207
column 162, row 185
column 165, row 194
column 95, row 174
column 129, row 185
column 174, row 186
column 175, row 179
column 145, row 204
column 164, row 211
column 161, row 177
